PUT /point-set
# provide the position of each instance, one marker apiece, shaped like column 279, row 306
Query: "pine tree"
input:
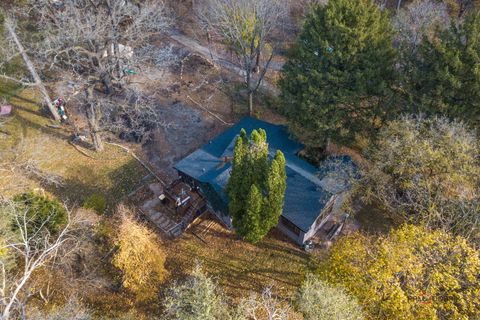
column 340, row 73
column 256, row 187
column 446, row 79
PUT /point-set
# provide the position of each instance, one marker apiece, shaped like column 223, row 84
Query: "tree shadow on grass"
column 87, row 180
column 17, row 106
column 239, row 266
column 42, row 128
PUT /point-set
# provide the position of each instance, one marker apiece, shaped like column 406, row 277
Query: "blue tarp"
column 306, row 194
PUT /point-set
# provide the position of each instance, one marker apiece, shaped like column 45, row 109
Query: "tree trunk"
column 248, row 80
column 250, row 102
column 31, row 69
column 257, row 62
column 92, row 122
column 107, row 82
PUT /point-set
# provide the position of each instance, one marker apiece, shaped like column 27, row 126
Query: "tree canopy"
column 197, row 298
column 139, row 257
column 256, row 188
column 340, row 73
column 427, row 170
column 318, row 300
column 412, row 273
column 446, row 80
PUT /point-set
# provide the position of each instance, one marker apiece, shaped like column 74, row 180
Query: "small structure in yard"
column 5, row 110
column 312, row 195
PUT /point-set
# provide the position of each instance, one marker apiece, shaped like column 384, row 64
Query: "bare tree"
column 18, row 50
column 317, row 299
column 33, row 246
column 426, row 171
column 246, row 27
column 264, row 307
column 417, row 20
column 98, row 44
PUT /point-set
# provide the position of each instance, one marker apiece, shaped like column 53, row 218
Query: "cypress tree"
column 237, row 187
column 275, row 187
column 446, row 79
column 340, row 73
column 256, row 187
column 252, row 226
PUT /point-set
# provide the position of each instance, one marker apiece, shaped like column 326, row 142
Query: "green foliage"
column 97, row 202
column 446, row 79
column 126, row 178
column 275, row 190
column 251, row 224
column 196, row 298
column 42, row 212
column 340, row 73
column 427, row 171
column 256, row 187
column 317, row 300
column 7, row 234
column 412, row 273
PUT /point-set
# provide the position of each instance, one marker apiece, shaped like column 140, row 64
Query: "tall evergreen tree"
column 446, row 79
column 340, row 73
column 275, row 187
column 256, row 187
column 251, row 223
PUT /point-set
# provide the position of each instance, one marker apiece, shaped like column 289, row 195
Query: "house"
column 312, row 193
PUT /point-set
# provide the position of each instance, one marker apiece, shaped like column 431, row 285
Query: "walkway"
column 160, row 219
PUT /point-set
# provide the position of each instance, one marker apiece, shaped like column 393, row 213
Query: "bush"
column 96, row 202
column 41, row 210
column 196, row 298
column 317, row 300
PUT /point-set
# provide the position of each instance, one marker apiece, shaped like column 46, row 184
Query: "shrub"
column 96, row 202
column 317, row 300
column 42, row 211
column 196, row 298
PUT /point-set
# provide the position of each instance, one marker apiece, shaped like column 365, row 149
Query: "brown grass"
column 112, row 173
column 239, row 267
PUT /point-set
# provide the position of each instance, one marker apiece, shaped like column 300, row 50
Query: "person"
column 60, row 105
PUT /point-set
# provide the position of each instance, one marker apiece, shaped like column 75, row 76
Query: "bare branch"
column 34, row 245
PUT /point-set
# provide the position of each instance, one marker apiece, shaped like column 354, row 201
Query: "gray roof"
column 308, row 188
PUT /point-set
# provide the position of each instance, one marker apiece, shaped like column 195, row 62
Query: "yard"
column 112, row 173
column 239, row 267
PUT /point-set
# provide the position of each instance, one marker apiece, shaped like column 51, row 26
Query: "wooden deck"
column 173, row 208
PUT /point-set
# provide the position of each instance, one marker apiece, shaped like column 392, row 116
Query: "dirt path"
column 207, row 53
